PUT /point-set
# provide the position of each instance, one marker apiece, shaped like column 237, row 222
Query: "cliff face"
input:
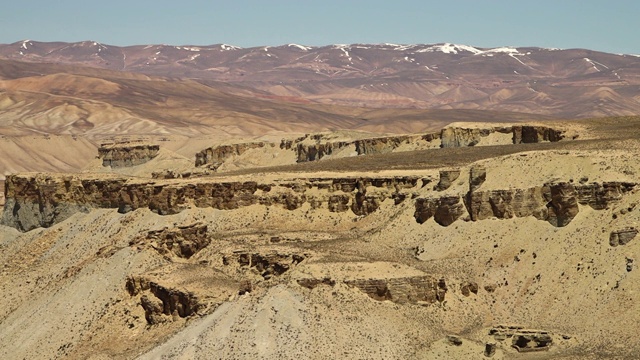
column 218, row 154
column 313, row 147
column 40, row 200
column 460, row 137
column 124, row 154
column 556, row 203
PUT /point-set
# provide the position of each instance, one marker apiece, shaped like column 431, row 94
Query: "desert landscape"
column 354, row 201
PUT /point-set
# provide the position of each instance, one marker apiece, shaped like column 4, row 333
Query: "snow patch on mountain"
column 194, row 49
column 449, row 48
column 502, row 50
column 24, row 44
column 343, row 48
column 229, row 47
column 301, row 47
column 404, row 47
column 592, row 64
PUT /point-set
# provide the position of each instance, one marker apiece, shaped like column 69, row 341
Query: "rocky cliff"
column 520, row 134
column 41, row 200
column 556, row 202
column 124, row 154
column 313, row 147
column 216, row 155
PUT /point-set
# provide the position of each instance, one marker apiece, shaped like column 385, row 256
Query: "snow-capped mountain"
column 571, row 82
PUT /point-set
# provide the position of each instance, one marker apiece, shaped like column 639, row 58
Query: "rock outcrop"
column 160, row 303
column 125, row 154
column 215, row 156
column 312, row 147
column 556, row 203
column 41, row 200
column 534, row 134
column 461, row 137
column 403, row 290
column 563, row 206
column 477, row 176
column 447, row 177
column 622, row 236
column 267, row 265
column 445, row 210
column 523, row 340
column 182, row 241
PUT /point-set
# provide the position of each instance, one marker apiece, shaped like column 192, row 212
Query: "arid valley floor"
column 160, row 218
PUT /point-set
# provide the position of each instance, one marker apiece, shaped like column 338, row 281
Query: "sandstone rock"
column 563, row 206
column 174, row 302
column 489, row 349
column 454, row 340
column 468, row 288
column 41, row 200
column 528, row 342
column 460, row 137
column 311, row 283
column 598, row 196
column 413, row 290
column 490, row 288
column 318, row 151
column 477, row 176
column 160, row 303
column 505, row 204
column 622, row 236
column 447, row 177
column 522, row 339
column 449, row 209
column 444, row 210
column 125, row 154
column 219, row 154
column 183, row 241
column 535, row 134
column 267, row 265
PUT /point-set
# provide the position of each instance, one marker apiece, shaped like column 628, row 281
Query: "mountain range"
column 571, row 83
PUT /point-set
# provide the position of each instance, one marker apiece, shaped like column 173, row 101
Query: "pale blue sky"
column 611, row 26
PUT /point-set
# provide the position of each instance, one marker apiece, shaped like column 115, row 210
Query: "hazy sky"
column 612, row 26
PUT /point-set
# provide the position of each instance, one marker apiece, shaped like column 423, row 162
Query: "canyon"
column 233, row 207
column 296, row 245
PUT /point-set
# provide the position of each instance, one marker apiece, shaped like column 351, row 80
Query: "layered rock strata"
column 313, row 147
column 126, row 154
column 182, row 241
column 447, row 177
column 556, row 203
column 267, row 265
column 523, row 340
column 161, row 303
column 41, row 200
column 521, row 134
column 622, row 236
column 215, row 156
column 404, row 290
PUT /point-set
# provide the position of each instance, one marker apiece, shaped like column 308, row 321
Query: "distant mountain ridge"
column 563, row 83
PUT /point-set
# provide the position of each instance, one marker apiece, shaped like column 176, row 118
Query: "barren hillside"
column 520, row 246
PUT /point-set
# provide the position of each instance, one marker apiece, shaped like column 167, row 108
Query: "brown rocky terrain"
column 297, row 212
column 519, row 244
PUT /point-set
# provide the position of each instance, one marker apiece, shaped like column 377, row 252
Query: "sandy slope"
column 66, row 298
